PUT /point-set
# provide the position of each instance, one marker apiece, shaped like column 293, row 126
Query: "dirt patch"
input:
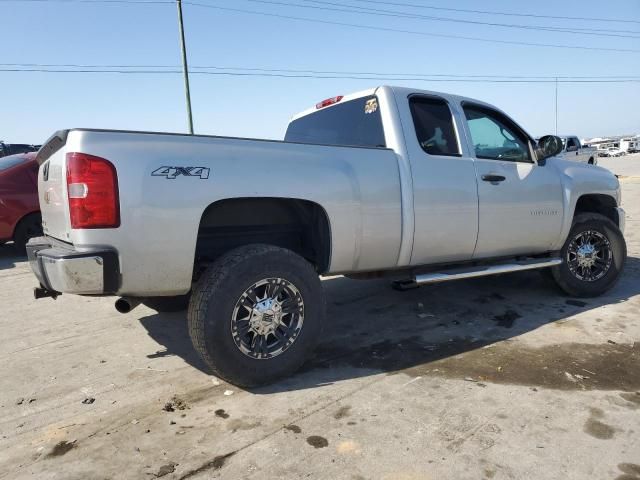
column 293, row 428
column 61, row 448
column 596, row 428
column 488, row 298
column 489, row 472
column 176, row 403
column 382, row 309
column 589, row 367
column 215, row 464
column 630, row 469
column 592, row 367
column 576, row 303
column 507, row 319
column 342, row 412
column 240, row 424
column 221, row 413
column 633, row 397
column 165, row 470
column 317, row 442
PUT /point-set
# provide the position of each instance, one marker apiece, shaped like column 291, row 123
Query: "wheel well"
column 24, row 218
column 298, row 225
column 598, row 203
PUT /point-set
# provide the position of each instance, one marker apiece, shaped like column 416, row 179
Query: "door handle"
column 493, row 178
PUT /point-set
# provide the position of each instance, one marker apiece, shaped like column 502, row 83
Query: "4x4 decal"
column 173, row 172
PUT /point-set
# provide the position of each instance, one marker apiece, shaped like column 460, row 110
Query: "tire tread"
column 210, row 283
column 558, row 276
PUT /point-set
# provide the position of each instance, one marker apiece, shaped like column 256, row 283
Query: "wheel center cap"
column 266, row 316
column 586, row 255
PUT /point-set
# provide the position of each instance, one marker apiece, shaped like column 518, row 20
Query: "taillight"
column 328, row 101
column 92, row 186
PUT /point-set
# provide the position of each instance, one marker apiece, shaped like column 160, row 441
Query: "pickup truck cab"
column 413, row 185
column 574, row 150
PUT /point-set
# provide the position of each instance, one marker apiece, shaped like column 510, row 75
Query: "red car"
column 19, row 207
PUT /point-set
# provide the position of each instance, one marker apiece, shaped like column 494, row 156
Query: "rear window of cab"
column 353, row 123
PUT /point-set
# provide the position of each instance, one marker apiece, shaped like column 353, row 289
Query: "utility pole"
column 185, row 67
column 556, row 106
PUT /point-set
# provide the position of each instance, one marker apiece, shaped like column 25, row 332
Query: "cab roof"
column 403, row 92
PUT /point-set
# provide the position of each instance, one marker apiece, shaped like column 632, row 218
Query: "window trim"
column 530, row 144
column 422, row 96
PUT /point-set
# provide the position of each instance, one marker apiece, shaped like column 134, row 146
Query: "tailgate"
column 52, row 187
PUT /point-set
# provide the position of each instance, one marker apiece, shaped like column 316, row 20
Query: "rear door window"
column 433, row 122
column 352, row 123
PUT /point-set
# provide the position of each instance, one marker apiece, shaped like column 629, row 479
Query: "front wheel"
column 593, row 257
column 255, row 314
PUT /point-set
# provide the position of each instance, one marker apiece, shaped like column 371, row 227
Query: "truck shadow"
column 9, row 256
column 372, row 329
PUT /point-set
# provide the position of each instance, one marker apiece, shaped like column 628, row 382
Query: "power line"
column 398, row 14
column 326, row 77
column 494, row 12
column 430, row 17
column 370, row 11
column 90, row 1
column 317, row 72
column 397, row 4
column 412, row 32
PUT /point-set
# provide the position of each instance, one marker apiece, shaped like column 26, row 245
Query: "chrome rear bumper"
column 61, row 268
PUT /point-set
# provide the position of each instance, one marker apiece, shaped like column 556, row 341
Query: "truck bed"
column 161, row 203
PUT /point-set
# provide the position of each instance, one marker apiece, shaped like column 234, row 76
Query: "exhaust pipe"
column 126, row 304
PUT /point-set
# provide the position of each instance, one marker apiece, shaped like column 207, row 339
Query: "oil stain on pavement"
column 598, row 429
column 61, row 448
column 567, row 366
column 317, row 442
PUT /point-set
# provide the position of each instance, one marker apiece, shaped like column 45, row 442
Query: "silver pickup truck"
column 572, row 149
column 417, row 186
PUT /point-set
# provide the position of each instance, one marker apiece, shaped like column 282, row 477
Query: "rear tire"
column 587, row 271
column 29, row 227
column 256, row 314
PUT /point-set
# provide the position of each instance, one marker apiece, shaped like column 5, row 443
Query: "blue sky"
column 35, row 104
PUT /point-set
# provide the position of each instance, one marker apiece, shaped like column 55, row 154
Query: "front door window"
column 495, row 137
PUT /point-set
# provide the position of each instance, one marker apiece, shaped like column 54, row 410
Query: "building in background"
column 625, row 143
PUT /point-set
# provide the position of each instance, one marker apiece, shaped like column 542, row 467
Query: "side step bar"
column 473, row 272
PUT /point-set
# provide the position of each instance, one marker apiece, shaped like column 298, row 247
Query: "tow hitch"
column 41, row 292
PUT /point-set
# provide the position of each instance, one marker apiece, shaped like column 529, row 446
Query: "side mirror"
column 548, row 146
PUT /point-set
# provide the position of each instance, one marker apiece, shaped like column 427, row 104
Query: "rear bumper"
column 61, row 268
